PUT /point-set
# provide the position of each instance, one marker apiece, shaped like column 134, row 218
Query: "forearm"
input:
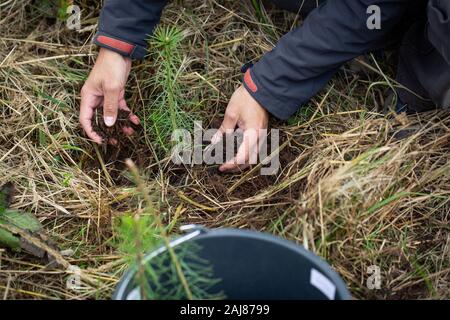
column 124, row 26
column 305, row 59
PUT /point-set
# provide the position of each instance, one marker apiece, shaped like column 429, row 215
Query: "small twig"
column 194, row 203
column 64, row 56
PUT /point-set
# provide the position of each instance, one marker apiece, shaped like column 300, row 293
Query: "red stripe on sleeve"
column 116, row 44
column 249, row 81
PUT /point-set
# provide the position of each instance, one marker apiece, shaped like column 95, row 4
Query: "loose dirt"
column 117, row 146
column 114, row 133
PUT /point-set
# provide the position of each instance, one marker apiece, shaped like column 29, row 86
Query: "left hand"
column 246, row 113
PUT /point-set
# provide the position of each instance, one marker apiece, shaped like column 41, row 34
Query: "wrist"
column 250, row 94
column 111, row 53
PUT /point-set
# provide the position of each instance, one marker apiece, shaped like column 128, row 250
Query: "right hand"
column 105, row 87
column 246, row 113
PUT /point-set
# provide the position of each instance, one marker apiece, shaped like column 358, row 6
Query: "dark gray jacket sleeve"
column 439, row 26
column 306, row 58
column 124, row 26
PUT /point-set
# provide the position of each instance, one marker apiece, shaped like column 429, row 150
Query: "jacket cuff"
column 274, row 106
column 120, row 46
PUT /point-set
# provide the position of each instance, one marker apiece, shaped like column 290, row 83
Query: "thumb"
column 111, row 104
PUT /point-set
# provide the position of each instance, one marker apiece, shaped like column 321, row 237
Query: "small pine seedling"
column 168, row 109
column 176, row 272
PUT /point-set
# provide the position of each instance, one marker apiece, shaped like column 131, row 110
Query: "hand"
column 251, row 117
column 105, row 86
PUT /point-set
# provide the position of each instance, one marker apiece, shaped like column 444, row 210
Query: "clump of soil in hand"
column 115, row 133
column 117, row 146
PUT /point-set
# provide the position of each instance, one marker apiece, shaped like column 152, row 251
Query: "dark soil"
column 7, row 192
column 219, row 183
column 117, row 146
column 115, row 132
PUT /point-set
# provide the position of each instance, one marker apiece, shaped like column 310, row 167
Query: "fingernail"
column 109, row 121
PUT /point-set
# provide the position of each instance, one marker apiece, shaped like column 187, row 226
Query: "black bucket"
column 253, row 265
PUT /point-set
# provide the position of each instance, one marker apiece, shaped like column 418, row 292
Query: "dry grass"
column 348, row 189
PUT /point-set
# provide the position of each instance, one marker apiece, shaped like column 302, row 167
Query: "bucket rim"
column 200, row 232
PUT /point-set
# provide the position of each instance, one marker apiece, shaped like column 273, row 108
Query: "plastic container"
column 254, row 265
